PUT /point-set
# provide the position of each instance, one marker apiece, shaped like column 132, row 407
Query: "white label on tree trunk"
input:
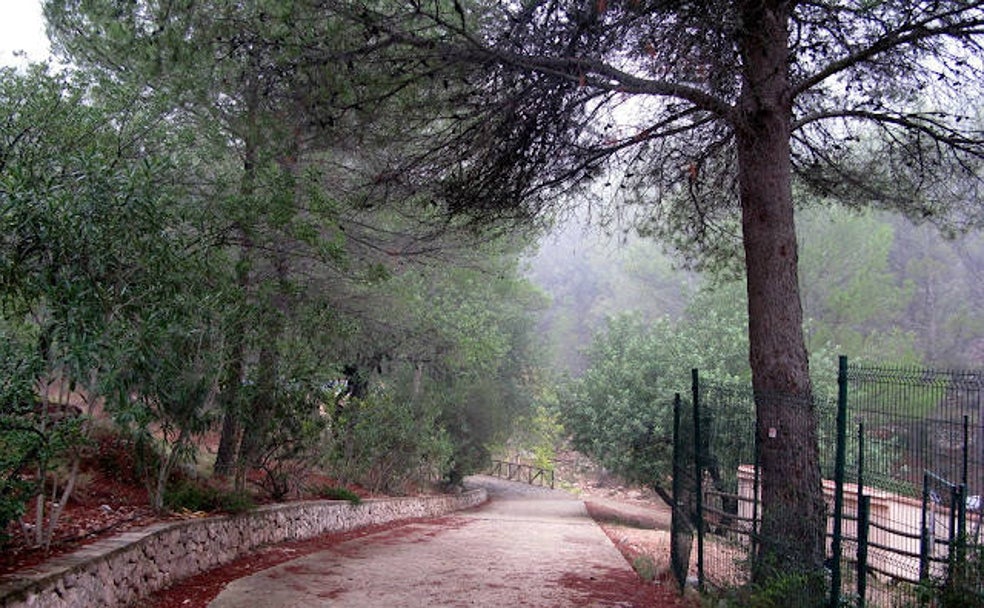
column 772, row 432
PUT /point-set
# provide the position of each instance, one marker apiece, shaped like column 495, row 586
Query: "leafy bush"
column 337, row 493
column 386, row 444
column 41, row 440
column 295, row 444
column 786, row 589
column 535, row 437
column 191, row 496
column 963, row 587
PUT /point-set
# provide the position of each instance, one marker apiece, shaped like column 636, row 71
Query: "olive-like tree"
column 708, row 114
column 290, row 181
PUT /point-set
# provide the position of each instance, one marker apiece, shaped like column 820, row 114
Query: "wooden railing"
column 522, row 472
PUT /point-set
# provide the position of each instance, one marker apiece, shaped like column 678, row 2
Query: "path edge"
column 120, row 570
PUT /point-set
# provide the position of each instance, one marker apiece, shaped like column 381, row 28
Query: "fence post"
column 678, row 516
column 864, row 517
column 839, row 464
column 958, row 505
column 964, row 491
column 952, row 524
column 698, row 479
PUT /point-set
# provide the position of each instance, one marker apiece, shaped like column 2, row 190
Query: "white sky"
column 22, row 29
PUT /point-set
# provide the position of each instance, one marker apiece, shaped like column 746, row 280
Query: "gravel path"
column 528, row 546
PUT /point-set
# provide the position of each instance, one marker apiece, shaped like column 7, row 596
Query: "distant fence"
column 515, row 471
column 902, row 456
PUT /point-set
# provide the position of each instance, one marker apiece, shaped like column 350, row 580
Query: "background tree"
column 324, row 249
column 451, row 335
column 730, row 103
column 620, row 410
column 291, row 189
column 853, row 298
column 97, row 246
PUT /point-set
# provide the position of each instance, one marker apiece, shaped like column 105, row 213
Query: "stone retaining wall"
column 120, row 570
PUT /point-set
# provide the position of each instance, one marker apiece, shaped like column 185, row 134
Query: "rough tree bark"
column 225, row 458
column 793, row 508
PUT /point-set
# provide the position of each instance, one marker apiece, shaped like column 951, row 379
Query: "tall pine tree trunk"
column 235, row 371
column 225, row 458
column 793, row 513
column 259, row 414
column 228, row 457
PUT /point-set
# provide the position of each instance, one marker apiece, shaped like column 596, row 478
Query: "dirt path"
column 528, row 547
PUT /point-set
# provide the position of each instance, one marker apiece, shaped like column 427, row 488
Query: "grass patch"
column 606, row 515
column 645, row 567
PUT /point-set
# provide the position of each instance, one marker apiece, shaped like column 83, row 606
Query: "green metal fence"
column 902, row 456
column 915, row 450
column 726, row 465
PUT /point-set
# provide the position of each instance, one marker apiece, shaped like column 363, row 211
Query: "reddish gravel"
column 103, row 507
column 198, row 591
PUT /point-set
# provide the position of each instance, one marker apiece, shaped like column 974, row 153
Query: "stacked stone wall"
column 121, row 570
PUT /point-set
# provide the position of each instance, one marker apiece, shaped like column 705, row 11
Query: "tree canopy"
column 343, row 130
column 707, row 114
column 191, row 243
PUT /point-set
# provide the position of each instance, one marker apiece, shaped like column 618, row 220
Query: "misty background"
column 875, row 287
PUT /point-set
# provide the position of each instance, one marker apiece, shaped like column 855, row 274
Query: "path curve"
column 528, row 546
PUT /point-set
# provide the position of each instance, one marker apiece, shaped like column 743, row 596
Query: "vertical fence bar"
column 860, row 461
column 964, row 492
column 839, row 463
column 966, row 444
column 698, row 478
column 958, row 542
column 678, row 515
column 952, row 523
column 926, row 538
column 756, row 484
column 864, row 518
column 953, row 542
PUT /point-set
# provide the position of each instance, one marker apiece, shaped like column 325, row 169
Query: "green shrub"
column 781, row 591
column 963, row 587
column 293, row 446
column 388, row 444
column 336, row 493
column 192, row 496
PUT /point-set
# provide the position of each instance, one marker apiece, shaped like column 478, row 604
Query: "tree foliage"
column 313, row 235
column 97, row 250
column 192, row 232
column 710, row 112
column 620, row 410
column 343, row 130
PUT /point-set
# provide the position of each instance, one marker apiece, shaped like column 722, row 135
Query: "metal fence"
column 902, row 457
column 915, row 451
